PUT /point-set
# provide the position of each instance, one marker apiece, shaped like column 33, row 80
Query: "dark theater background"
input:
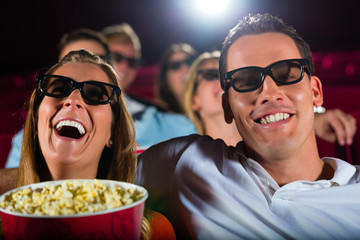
column 31, row 29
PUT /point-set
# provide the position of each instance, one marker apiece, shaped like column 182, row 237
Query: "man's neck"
column 287, row 173
column 303, row 164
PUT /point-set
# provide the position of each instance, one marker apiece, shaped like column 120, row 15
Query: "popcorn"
column 70, row 197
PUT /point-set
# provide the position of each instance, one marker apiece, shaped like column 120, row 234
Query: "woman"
column 202, row 100
column 203, row 105
column 81, row 38
column 47, row 156
column 78, row 126
column 170, row 83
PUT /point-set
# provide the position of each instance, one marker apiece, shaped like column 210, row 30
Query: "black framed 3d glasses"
column 247, row 79
column 176, row 65
column 209, row 74
column 132, row 62
column 93, row 92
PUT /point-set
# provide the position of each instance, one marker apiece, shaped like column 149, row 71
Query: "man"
column 273, row 185
column 126, row 50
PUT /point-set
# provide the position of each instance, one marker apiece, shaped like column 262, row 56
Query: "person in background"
column 126, row 50
column 202, row 100
column 152, row 123
column 202, row 104
column 273, row 184
column 174, row 67
column 78, row 127
column 85, row 38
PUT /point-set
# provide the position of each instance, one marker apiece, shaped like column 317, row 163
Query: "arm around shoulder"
column 159, row 160
column 156, row 167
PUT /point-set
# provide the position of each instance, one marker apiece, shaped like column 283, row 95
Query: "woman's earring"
column 110, row 143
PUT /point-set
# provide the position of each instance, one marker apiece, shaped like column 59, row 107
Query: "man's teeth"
column 274, row 118
column 77, row 125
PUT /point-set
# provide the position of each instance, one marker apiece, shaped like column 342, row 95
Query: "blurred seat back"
column 5, row 145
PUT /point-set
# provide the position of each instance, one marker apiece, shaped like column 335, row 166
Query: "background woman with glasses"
column 202, row 100
column 170, row 83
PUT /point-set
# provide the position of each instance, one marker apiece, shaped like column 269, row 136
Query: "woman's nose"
column 74, row 99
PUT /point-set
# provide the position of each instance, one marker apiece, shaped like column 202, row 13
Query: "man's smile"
column 273, row 118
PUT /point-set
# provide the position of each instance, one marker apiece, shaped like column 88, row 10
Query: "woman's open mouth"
column 70, row 129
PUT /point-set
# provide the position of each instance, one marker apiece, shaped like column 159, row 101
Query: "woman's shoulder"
column 8, row 179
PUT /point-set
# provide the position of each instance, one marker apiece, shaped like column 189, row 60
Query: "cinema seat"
column 5, row 144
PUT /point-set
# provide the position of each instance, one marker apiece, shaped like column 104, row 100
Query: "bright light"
column 212, row 7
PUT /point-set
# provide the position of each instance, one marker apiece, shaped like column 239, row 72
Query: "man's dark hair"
column 85, row 34
column 257, row 24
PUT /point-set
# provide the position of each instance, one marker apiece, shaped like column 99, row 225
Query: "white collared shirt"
column 213, row 192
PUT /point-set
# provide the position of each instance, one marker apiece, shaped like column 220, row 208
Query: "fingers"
column 350, row 128
column 343, row 124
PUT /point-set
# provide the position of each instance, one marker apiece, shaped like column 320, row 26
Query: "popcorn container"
column 117, row 223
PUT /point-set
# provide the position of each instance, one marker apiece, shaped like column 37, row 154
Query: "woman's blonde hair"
column 191, row 84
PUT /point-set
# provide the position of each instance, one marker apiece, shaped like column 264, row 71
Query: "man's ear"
column 227, row 109
column 317, row 91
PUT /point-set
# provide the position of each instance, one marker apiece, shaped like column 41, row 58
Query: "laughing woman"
column 77, row 124
column 77, row 127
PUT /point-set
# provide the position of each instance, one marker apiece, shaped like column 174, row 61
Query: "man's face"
column 90, row 45
column 270, row 100
column 126, row 72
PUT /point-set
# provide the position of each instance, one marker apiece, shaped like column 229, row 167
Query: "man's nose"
column 270, row 91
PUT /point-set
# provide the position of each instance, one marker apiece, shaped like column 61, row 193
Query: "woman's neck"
column 216, row 127
column 72, row 172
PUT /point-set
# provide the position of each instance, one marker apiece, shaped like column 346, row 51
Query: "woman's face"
column 207, row 96
column 70, row 131
column 176, row 75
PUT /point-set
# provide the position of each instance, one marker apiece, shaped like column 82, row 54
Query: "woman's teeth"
column 69, row 123
column 274, row 118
